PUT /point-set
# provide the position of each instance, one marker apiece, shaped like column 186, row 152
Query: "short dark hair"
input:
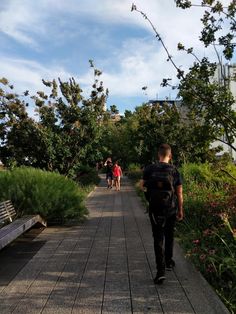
column 164, row 150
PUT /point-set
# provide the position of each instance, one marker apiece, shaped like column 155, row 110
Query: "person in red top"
column 117, row 173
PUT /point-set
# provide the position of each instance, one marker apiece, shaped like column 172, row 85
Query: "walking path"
column 105, row 265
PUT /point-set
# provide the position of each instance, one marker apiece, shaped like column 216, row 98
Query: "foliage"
column 67, row 132
column 49, row 194
column 135, row 138
column 211, row 103
column 87, row 176
column 134, row 167
column 216, row 15
column 135, row 175
column 208, row 231
column 212, row 175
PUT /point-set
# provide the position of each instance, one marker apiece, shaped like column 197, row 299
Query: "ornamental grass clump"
column 34, row 191
column 208, row 231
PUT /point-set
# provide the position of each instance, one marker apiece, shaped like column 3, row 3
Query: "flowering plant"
column 208, row 232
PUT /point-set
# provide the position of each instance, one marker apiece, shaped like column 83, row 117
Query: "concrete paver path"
column 105, row 265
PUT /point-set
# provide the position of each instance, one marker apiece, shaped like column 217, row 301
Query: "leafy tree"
column 114, row 110
column 208, row 101
column 67, row 132
column 136, row 137
column 215, row 16
column 16, row 128
column 211, row 103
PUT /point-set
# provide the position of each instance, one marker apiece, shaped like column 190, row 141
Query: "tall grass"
column 51, row 195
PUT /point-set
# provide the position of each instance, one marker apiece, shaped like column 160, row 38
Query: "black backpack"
column 161, row 191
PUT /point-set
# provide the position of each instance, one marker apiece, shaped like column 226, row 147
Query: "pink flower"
column 202, row 257
column 196, row 241
column 210, row 268
column 213, row 204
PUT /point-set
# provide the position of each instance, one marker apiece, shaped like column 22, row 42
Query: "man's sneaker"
column 160, row 277
column 170, row 264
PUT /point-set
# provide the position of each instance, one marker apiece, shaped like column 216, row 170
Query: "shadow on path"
column 15, row 256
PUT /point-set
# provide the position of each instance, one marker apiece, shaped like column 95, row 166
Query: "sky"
column 56, row 38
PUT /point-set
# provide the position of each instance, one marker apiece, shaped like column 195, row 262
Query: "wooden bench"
column 14, row 228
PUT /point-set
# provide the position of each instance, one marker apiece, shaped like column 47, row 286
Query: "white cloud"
column 140, row 65
column 28, row 75
column 21, row 21
column 21, row 18
column 127, row 67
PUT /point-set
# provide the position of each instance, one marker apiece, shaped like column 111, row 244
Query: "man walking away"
column 109, row 174
column 165, row 194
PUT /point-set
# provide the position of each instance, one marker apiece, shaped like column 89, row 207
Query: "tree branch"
column 229, row 144
column 230, row 175
column 209, row 7
column 134, row 8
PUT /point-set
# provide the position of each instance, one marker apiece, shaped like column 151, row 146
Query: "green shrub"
column 51, row 195
column 134, row 172
column 200, row 173
column 214, row 175
column 87, row 176
column 134, row 167
column 135, row 175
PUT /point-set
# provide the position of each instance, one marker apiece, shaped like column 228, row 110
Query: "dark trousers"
column 163, row 235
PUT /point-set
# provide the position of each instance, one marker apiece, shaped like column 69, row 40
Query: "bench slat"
column 6, row 218
column 7, row 211
column 4, row 214
column 9, row 207
column 11, row 210
column 13, row 230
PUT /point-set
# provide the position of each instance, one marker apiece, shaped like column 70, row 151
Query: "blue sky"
column 56, row 38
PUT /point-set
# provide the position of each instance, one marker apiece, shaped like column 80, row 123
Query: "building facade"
column 227, row 71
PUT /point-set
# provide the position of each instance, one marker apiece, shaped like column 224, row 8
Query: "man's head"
column 164, row 152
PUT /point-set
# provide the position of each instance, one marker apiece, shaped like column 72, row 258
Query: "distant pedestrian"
column 109, row 174
column 164, row 193
column 117, row 173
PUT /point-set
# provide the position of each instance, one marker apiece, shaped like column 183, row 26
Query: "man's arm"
column 179, row 193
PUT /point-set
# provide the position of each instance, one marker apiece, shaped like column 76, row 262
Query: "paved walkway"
column 105, row 265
